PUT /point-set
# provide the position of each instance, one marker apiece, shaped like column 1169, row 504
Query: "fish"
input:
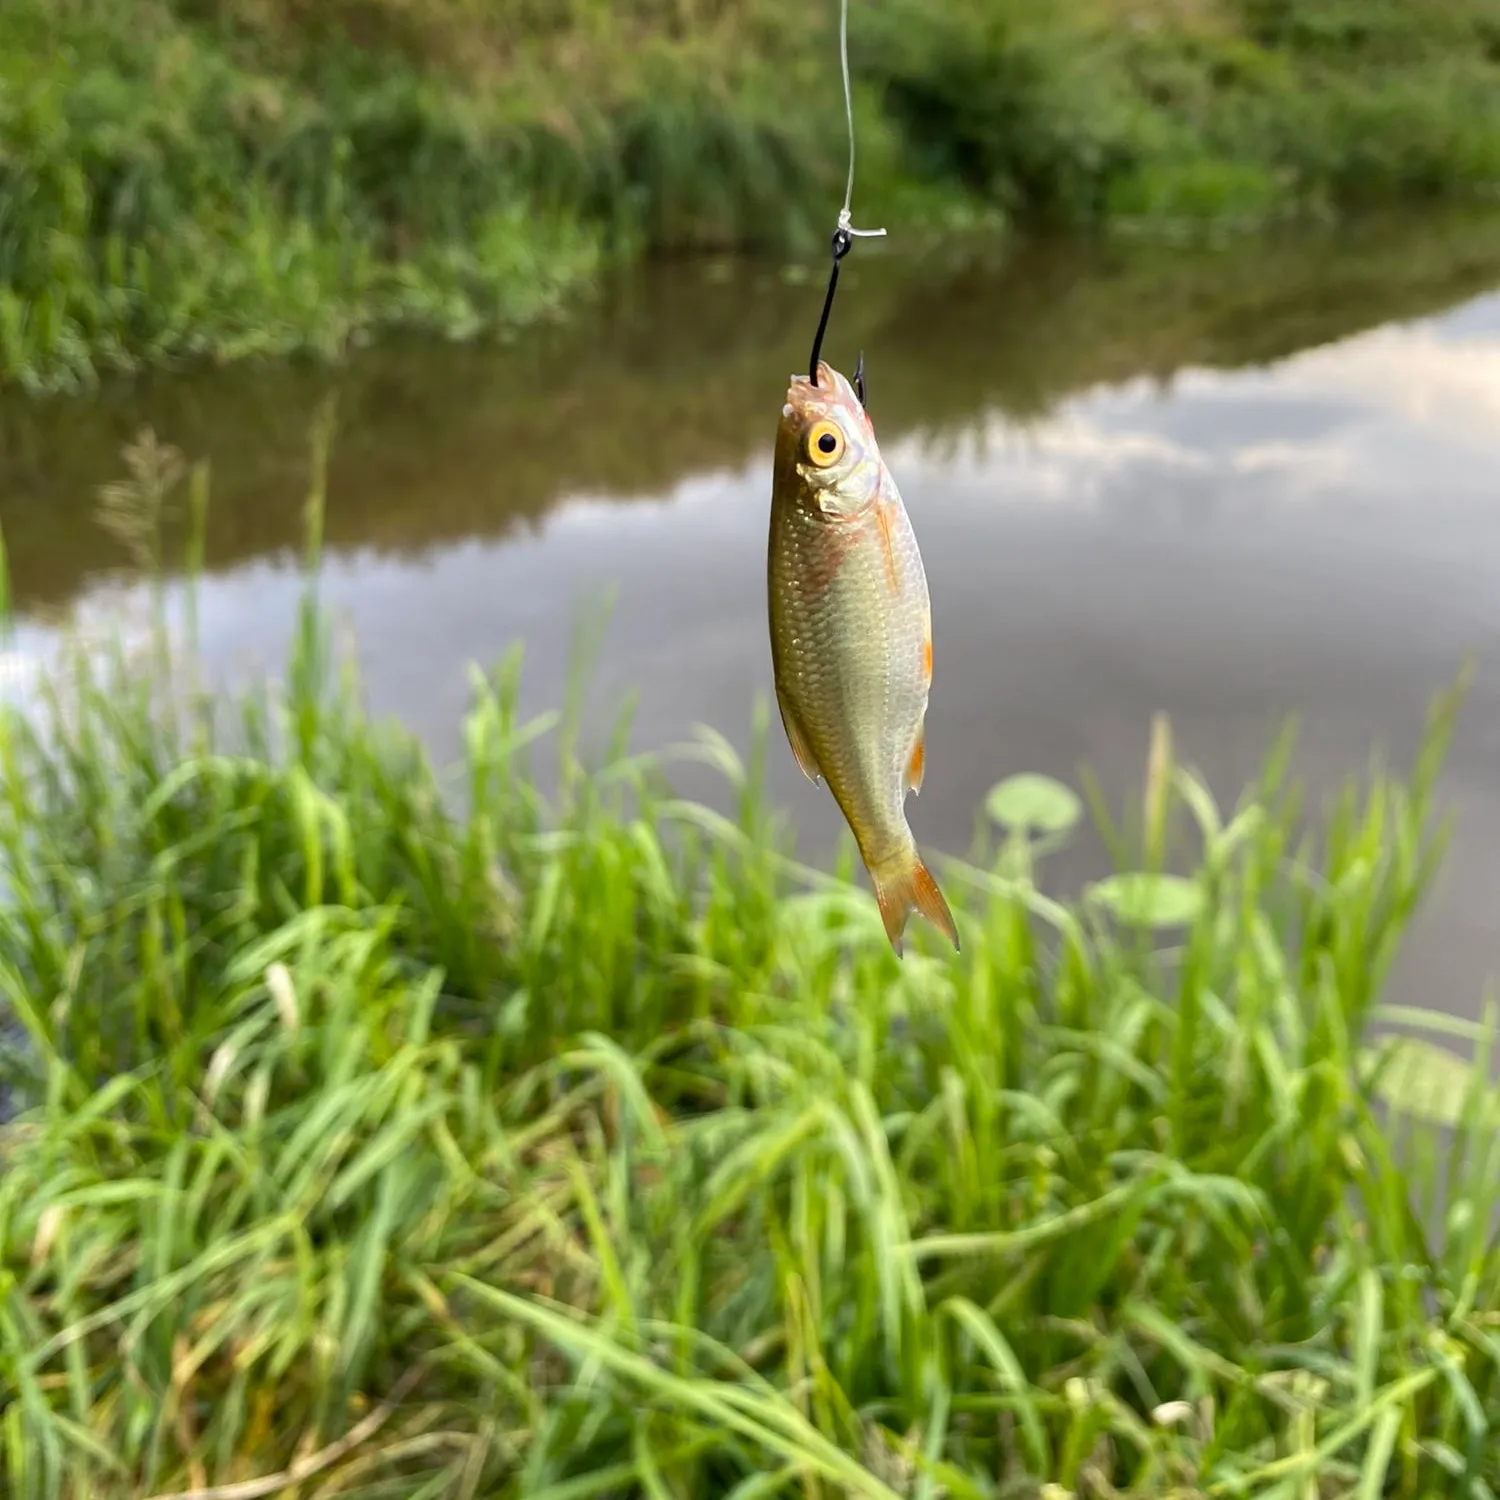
column 851, row 636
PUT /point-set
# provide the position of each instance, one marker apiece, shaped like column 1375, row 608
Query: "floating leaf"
column 1037, row 802
column 1150, row 900
column 1424, row 1081
column 832, row 917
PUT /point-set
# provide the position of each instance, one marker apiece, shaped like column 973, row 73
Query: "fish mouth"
column 832, row 392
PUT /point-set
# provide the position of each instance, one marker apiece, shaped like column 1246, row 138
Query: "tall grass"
column 188, row 179
column 592, row 1146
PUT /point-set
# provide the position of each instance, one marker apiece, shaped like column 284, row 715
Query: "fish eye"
column 825, row 444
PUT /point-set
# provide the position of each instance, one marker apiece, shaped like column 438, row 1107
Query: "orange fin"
column 798, row 741
column 903, row 884
column 916, row 767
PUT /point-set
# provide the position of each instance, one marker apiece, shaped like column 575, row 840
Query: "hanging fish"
column 851, row 634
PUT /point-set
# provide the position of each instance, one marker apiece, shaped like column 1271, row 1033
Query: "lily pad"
column 1145, row 900
column 1425, row 1082
column 1034, row 802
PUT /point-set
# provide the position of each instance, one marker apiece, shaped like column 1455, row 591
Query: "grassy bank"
column 591, row 1146
column 221, row 178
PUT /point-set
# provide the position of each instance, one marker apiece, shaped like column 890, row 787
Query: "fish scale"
column 851, row 637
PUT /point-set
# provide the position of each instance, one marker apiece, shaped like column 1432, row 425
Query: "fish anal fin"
column 903, row 885
column 798, row 741
column 916, row 765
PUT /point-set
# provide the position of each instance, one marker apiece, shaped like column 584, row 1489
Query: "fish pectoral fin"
column 798, row 741
column 885, row 519
column 916, row 765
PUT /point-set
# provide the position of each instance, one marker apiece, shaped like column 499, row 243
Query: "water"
column 1232, row 485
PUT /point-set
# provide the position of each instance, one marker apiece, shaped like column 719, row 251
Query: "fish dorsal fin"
column 798, row 741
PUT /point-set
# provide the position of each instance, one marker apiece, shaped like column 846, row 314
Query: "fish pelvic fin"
column 798, row 741
column 916, row 765
column 904, row 884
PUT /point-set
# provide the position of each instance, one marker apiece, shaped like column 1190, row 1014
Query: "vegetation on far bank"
column 220, row 178
column 589, row 1146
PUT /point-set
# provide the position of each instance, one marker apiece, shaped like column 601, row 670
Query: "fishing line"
column 845, row 234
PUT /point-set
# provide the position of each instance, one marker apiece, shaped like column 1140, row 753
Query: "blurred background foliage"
column 231, row 177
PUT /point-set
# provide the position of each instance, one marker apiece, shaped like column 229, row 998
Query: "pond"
column 1230, row 483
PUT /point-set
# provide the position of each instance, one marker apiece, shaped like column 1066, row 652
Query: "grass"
column 386, row 1134
column 221, row 179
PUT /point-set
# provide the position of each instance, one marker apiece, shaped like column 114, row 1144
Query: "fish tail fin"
column 904, row 884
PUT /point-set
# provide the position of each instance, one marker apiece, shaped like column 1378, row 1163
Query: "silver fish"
column 851, row 635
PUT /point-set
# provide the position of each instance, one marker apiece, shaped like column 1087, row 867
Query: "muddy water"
column 1233, row 485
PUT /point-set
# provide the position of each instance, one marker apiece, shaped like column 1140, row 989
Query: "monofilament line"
column 846, row 211
column 844, row 235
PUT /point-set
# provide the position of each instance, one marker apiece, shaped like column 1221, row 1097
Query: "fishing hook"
column 842, row 240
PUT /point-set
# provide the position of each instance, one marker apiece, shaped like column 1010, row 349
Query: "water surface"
column 1233, row 485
